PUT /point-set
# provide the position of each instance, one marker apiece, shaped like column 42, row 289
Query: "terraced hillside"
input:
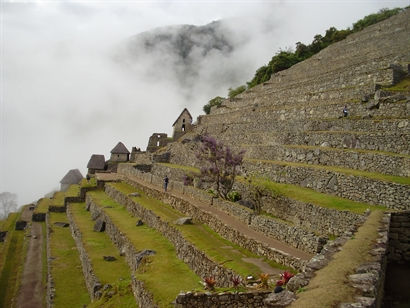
column 333, row 193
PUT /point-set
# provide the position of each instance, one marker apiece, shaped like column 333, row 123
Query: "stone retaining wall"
column 125, row 246
column 355, row 188
column 222, row 229
column 186, row 251
column 50, row 292
column 399, row 237
column 91, row 280
column 221, row 300
column 39, row 217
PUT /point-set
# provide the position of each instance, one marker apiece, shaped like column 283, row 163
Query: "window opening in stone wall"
column 183, row 127
column 157, row 143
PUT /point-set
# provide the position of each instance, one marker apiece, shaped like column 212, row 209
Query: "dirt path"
column 31, row 291
column 234, row 223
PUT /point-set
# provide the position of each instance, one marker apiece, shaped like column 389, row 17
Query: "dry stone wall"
column 91, row 280
column 399, row 237
column 125, row 246
column 392, row 195
column 201, row 264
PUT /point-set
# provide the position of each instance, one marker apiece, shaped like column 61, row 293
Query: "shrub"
column 210, row 283
column 234, row 196
column 233, row 92
column 216, row 101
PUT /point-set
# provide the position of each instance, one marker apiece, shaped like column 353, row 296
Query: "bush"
column 233, row 92
column 216, row 101
column 234, row 196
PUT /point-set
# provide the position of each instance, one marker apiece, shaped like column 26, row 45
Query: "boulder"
column 184, row 221
column 279, row 300
column 21, row 225
column 2, row 236
column 109, row 258
column 296, row 282
column 139, row 223
column 134, row 194
column 61, row 224
column 99, row 225
column 144, row 253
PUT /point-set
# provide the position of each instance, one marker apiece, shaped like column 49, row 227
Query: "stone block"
column 278, row 300
column 109, row 258
column 184, row 221
column 62, row 224
column 99, row 225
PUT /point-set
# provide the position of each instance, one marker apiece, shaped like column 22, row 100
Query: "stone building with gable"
column 182, row 124
column 73, row 176
column 96, row 164
column 120, row 153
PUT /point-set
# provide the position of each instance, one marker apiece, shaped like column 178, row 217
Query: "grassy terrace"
column 42, row 205
column 163, row 274
column 307, row 195
column 329, row 284
column 371, row 175
column 97, row 245
column 201, row 236
column 13, row 252
column 181, row 167
column 66, row 270
column 310, row 196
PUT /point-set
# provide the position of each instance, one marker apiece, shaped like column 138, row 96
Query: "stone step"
column 375, row 189
column 161, row 275
column 102, row 275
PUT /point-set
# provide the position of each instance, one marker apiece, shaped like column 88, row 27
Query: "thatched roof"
column 181, row 115
column 73, row 176
column 97, row 161
column 120, row 149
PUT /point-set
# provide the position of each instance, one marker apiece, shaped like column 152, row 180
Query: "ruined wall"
column 157, row 141
column 119, row 157
column 399, row 237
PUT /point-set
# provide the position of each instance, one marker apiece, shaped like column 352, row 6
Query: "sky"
column 64, row 95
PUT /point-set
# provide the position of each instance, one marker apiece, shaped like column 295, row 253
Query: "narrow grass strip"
column 14, row 256
column 181, row 167
column 371, row 175
column 330, row 285
column 308, row 195
column 70, row 288
column 98, row 245
column 201, row 236
column 163, row 274
column 42, row 205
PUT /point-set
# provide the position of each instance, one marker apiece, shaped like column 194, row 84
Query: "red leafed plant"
column 236, row 280
column 286, row 276
column 210, row 283
column 264, row 280
column 280, row 283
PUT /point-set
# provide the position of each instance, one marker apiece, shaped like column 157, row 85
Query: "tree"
column 8, row 204
column 220, row 164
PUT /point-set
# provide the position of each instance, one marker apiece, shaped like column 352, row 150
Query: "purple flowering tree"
column 220, row 164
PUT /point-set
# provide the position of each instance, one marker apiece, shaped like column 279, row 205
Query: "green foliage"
column 216, row 101
column 233, row 92
column 285, row 59
column 234, row 196
column 374, row 18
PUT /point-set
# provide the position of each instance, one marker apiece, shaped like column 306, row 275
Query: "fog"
column 65, row 94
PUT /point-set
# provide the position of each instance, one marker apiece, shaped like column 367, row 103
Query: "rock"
column 247, row 203
column 402, row 124
column 106, row 287
column 296, row 282
column 2, row 236
column 139, row 223
column 99, row 225
column 278, row 300
column 373, row 104
column 325, row 144
column 184, row 221
column 144, row 253
column 109, row 258
column 134, row 194
column 20, row 225
column 35, row 237
column 61, row 224
column 332, row 183
column 367, row 116
column 278, row 289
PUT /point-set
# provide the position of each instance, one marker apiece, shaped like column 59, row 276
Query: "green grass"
column 371, row 175
column 97, row 245
column 69, row 283
column 329, row 284
column 402, row 86
column 7, row 225
column 310, row 196
column 91, row 183
column 200, row 235
column 163, row 274
column 58, row 198
column 14, row 255
column 181, row 167
column 42, row 205
column 73, row 191
column 44, row 260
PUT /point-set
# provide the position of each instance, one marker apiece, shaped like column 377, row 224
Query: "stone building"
column 156, row 141
column 182, row 124
column 96, row 163
column 73, row 176
column 119, row 153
